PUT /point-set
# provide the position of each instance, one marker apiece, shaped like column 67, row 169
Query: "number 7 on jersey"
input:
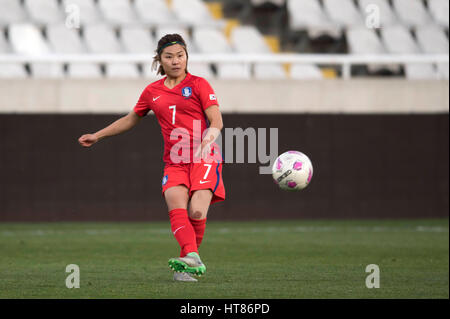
column 174, row 111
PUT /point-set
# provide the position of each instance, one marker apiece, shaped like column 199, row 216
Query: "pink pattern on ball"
column 292, row 184
column 309, row 175
column 298, row 166
column 279, row 164
column 294, row 152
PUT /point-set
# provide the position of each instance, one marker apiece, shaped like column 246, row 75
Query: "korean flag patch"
column 212, row 97
column 186, row 92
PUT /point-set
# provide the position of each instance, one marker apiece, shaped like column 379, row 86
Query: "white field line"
column 230, row 230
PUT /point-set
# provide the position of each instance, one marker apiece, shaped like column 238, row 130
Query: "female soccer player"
column 185, row 106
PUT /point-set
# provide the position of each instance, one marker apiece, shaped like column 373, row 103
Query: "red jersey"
column 180, row 113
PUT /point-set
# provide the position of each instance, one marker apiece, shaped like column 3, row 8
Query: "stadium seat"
column 137, row 39
column 210, row 41
column 247, row 39
column 439, row 11
column 233, row 71
column 27, row 39
column 269, row 71
column 421, row 72
column 309, row 15
column 83, row 70
column 362, row 40
column 117, row 12
column 201, row 69
column 192, row 12
column 432, row 39
column 387, row 14
column 11, row 12
column 101, row 39
column 411, row 12
column 12, row 71
column 343, row 12
column 154, row 12
column 300, row 71
column 122, row 70
column 89, row 13
column 64, row 40
column 47, row 70
column 9, row 70
column 398, row 40
column 44, row 11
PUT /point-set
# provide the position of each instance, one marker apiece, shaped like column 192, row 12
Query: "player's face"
column 173, row 60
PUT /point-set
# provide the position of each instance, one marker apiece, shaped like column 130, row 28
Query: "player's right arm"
column 121, row 125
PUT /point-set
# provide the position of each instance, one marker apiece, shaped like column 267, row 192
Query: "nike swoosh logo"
column 178, row 229
column 203, row 182
column 155, row 98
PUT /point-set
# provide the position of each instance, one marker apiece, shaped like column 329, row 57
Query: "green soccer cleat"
column 191, row 264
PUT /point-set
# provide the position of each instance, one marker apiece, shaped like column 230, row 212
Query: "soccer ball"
column 292, row 171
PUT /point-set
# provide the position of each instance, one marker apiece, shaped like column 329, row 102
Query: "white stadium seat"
column 12, row 71
column 362, row 40
column 83, row 70
column 27, row 39
column 11, row 12
column 439, row 11
column 309, row 15
column 101, row 39
column 247, row 39
column 269, row 71
column 89, row 13
column 44, row 11
column 193, row 12
column 411, row 12
column 47, row 70
column 122, row 70
column 387, row 14
column 137, row 39
column 210, row 41
column 343, row 12
column 64, row 40
column 155, row 12
column 432, row 39
column 200, row 69
column 398, row 40
column 9, row 70
column 300, row 71
column 118, row 11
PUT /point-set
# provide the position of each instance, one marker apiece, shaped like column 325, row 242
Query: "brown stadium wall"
column 366, row 166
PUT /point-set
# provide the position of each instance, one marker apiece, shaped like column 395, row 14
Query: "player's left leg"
column 198, row 210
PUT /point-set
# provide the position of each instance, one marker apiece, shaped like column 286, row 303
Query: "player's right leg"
column 177, row 198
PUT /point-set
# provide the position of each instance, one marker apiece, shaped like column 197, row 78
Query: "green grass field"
column 277, row 259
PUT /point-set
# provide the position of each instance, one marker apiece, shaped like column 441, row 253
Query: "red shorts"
column 196, row 176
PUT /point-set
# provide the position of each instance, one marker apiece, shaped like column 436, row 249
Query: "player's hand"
column 87, row 140
column 204, row 151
